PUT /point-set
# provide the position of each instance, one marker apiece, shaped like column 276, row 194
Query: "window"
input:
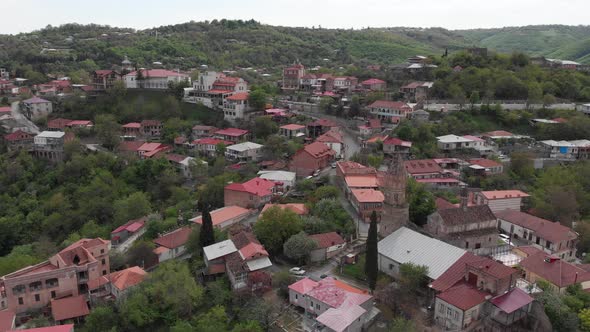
column 466, row 244
column 317, row 306
column 441, row 308
column 477, row 245
column 104, row 272
column 296, row 297
column 102, row 251
column 311, row 304
column 449, row 312
column 103, row 261
column 37, row 298
column 456, row 315
column 391, row 266
column 20, row 301
column 52, row 294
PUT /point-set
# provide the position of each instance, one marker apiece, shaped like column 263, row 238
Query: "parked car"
column 316, row 173
column 333, row 165
column 506, row 239
column 297, row 271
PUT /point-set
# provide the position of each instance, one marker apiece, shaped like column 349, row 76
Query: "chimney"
column 464, row 198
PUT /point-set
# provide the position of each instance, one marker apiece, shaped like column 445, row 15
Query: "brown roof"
column 327, row 240
column 127, row 278
column 548, row 230
column 175, row 238
column 130, row 146
column 69, row 307
column 242, row 238
column 491, row 267
column 318, row 150
column 442, row 204
column 456, row 216
column 322, row 123
column 332, row 136
column 487, row 163
column 463, row 296
column 556, row 271
column 151, row 123
column 422, row 166
column 454, row 274
column 396, row 105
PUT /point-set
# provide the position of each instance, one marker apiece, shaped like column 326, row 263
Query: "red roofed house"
column 65, row 274
column 80, row 124
column 292, row 131
column 252, row 194
column 292, row 76
column 332, row 304
column 233, row 134
column 158, row 79
column 58, row 124
column 151, row 128
column 365, row 201
column 319, row 127
column 132, row 129
column 70, row 308
column 486, row 166
column 226, row 216
column 372, row 126
column 557, row 272
column 328, row 246
column 543, row 234
column 333, row 139
column 208, row 146
column 424, row 169
column 19, row 140
column 235, row 106
column 374, row 84
column 149, row 150
column 312, row 157
column 117, row 283
column 416, row 91
column 171, row 244
column 124, row 235
column 394, row 145
column 499, row 200
column 212, row 88
column 345, row 83
column 104, row 79
column 389, row 111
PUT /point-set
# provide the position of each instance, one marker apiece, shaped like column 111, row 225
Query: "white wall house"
column 156, row 79
column 246, row 151
column 35, row 108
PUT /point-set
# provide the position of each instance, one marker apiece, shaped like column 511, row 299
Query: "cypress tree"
column 371, row 262
column 206, row 236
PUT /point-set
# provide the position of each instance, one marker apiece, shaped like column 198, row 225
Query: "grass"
column 356, row 271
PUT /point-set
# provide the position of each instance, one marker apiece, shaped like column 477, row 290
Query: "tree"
column 206, row 234
column 400, row 324
column 375, row 160
column 474, row 98
column 132, row 207
column 275, row 227
column 257, row 310
column 371, row 261
column 249, row 326
column 101, row 319
column 413, row 277
column 107, row 130
column 522, row 165
column 193, row 244
column 299, row 246
column 422, row 202
column 213, row 321
column 584, row 316
column 281, row 281
column 331, row 210
column 264, row 127
column 257, row 100
column 142, row 254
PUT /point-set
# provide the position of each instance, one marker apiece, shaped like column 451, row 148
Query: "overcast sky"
column 27, row 15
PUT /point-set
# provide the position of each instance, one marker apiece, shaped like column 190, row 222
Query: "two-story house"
column 328, row 246
column 154, row 79
column 236, row 106
column 254, row 193
column 203, row 131
column 292, row 130
column 104, row 79
column 36, row 108
column 500, row 200
column 389, row 111
column 345, row 84
column 151, row 128
column 19, row 140
column 311, row 157
column 334, row 140
column 374, row 84
column 246, row 151
column 209, row 146
column 292, row 76
column 416, row 91
column 49, row 145
column 367, row 201
column 234, row 135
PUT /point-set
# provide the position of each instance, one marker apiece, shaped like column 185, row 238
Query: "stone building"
column 392, row 184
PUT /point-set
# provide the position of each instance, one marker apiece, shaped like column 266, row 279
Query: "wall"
column 447, row 315
column 505, row 106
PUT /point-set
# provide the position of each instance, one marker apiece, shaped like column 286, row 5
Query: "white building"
column 246, row 151
column 453, row 142
column 408, row 246
column 235, row 106
column 563, row 149
column 287, row 178
column 500, row 200
column 212, row 88
column 157, row 79
column 35, row 108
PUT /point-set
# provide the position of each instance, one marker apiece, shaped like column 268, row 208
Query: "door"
column 472, row 279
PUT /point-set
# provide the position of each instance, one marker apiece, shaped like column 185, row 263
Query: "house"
column 333, row 139
column 7, row 320
column 156, row 79
column 172, row 244
column 49, row 145
column 372, row 126
column 367, row 201
column 80, row 124
column 36, row 108
column 235, row 106
column 65, row 274
column 560, row 149
column 55, row 328
column 117, row 284
column 345, row 84
column 208, row 146
column 292, row 131
column 395, row 145
column 420, row 116
column 416, row 91
column 389, row 111
column 469, row 227
column 246, row 151
column 104, row 79
column 500, row 134
column 408, row 246
column 127, row 233
column 58, row 124
column 328, row 245
column 244, row 260
column 292, row 76
column 543, row 234
column 454, row 142
column 332, row 305
column 132, row 129
column 310, row 158
column 287, row 178
column 183, row 163
column 19, row 140
column 499, row 200
column 374, row 84
column 212, row 88
column 225, row 217
column 234, row 135
column 151, row 128
column 298, row 208
column 320, row 127
column 203, row 131
column 70, row 308
column 149, row 150
column 557, row 272
column 429, row 172
column 481, row 166
column 130, row 148
column 252, row 194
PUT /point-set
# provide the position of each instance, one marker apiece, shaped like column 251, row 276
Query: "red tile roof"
column 253, row 250
column 454, row 274
column 234, row 132
column 362, row 181
column 127, row 278
column 330, row 292
column 5, row 109
column 422, row 166
column 202, row 127
column 256, row 186
column 130, row 146
column 132, row 125
column 69, row 307
column 293, row 126
column 240, row 96
column 368, row 195
column 396, row 105
column 6, row 320
column 471, row 214
column 352, row 167
column 131, row 226
column 175, row 238
column 372, row 81
column 318, row 150
column 303, row 286
column 463, row 296
column 529, row 250
column 548, row 230
column 397, row 142
column 498, row 133
column 503, row 194
column 487, row 163
column 78, row 123
column 18, row 136
column 212, row 141
column 224, row 214
column 151, row 123
column 322, row 123
column 512, row 300
column 175, row 158
column 332, row 136
column 442, row 204
column 326, row 240
column 491, row 267
column 58, row 123
column 556, row 271
column 35, row 100
column 56, row 328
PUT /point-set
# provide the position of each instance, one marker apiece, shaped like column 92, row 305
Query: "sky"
column 28, row 15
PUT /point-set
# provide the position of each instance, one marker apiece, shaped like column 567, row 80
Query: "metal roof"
column 244, row 146
column 52, row 134
column 219, row 249
column 258, row 264
column 408, row 246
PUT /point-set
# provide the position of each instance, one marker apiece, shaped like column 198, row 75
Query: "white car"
column 297, row 271
column 316, row 173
